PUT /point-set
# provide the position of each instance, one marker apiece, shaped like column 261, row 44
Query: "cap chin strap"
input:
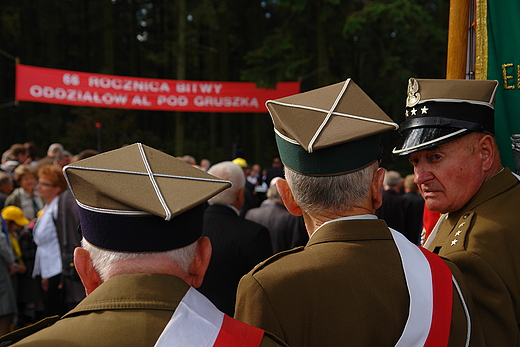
column 437, row 122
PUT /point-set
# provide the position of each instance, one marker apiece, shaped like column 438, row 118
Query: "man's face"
column 448, row 175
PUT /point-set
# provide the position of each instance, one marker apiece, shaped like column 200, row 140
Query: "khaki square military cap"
column 139, row 199
column 329, row 131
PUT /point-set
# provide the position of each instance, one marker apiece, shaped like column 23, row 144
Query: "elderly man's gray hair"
column 334, row 193
column 106, row 262
column 230, row 171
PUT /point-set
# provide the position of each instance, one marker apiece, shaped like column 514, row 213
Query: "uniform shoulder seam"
column 276, row 257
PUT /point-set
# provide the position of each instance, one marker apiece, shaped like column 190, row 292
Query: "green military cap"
column 439, row 110
column 139, row 199
column 328, row 131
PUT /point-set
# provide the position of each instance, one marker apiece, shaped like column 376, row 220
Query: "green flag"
column 498, row 58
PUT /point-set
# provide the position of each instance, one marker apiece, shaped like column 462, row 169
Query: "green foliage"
column 266, row 67
column 379, row 43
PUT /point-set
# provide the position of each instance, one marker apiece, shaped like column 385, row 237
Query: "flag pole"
column 457, row 39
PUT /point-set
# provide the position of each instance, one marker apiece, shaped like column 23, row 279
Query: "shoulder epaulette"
column 17, row 335
column 456, row 240
column 276, row 257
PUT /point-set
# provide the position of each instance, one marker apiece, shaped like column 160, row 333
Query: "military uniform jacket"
column 127, row 310
column 483, row 240
column 346, row 287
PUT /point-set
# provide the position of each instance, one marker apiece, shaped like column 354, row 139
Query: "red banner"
column 88, row 89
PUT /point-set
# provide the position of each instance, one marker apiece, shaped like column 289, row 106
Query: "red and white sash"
column 430, row 288
column 198, row 323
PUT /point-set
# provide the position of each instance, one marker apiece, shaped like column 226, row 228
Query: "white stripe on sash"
column 195, row 323
column 419, row 280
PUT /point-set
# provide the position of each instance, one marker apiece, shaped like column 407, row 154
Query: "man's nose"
column 422, row 173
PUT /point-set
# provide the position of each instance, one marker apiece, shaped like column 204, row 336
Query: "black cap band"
column 149, row 233
column 460, row 115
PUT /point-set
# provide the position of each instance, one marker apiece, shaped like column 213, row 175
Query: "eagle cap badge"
column 413, row 93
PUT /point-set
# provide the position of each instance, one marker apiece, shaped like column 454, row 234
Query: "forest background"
column 377, row 43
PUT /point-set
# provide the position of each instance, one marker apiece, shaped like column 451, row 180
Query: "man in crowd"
column 276, row 170
column 448, row 136
column 287, row 231
column 142, row 254
column 355, row 282
column 53, row 152
column 238, row 244
column 413, row 210
column 18, row 155
column 6, row 186
column 392, row 209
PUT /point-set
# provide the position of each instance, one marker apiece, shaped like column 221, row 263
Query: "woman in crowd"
column 56, row 236
column 25, row 196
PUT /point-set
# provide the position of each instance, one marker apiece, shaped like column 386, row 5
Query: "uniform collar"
column 363, row 227
column 363, row 216
column 134, row 291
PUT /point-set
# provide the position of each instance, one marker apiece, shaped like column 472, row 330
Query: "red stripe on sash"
column 234, row 333
column 442, row 300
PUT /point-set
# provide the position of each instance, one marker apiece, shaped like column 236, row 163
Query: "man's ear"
column 377, row 188
column 488, row 151
column 287, row 197
column 86, row 271
column 240, row 199
column 200, row 262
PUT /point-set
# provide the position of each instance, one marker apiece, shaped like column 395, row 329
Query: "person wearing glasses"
column 55, row 235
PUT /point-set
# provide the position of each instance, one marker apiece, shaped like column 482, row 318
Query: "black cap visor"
column 418, row 139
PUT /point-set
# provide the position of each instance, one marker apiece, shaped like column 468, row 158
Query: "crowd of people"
column 325, row 248
column 36, row 254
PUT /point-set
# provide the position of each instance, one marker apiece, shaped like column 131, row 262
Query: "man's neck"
column 312, row 223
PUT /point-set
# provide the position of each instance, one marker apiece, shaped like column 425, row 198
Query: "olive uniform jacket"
column 483, row 240
column 346, row 287
column 126, row 310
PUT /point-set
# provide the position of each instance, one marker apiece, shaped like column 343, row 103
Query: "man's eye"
column 436, row 157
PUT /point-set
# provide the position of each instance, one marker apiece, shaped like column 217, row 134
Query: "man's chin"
column 433, row 204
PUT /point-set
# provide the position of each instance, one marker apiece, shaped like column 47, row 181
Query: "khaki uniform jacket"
column 127, row 310
column 483, row 240
column 346, row 287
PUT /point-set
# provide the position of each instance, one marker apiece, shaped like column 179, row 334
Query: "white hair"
column 230, row 171
column 107, row 262
column 55, row 149
column 340, row 193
